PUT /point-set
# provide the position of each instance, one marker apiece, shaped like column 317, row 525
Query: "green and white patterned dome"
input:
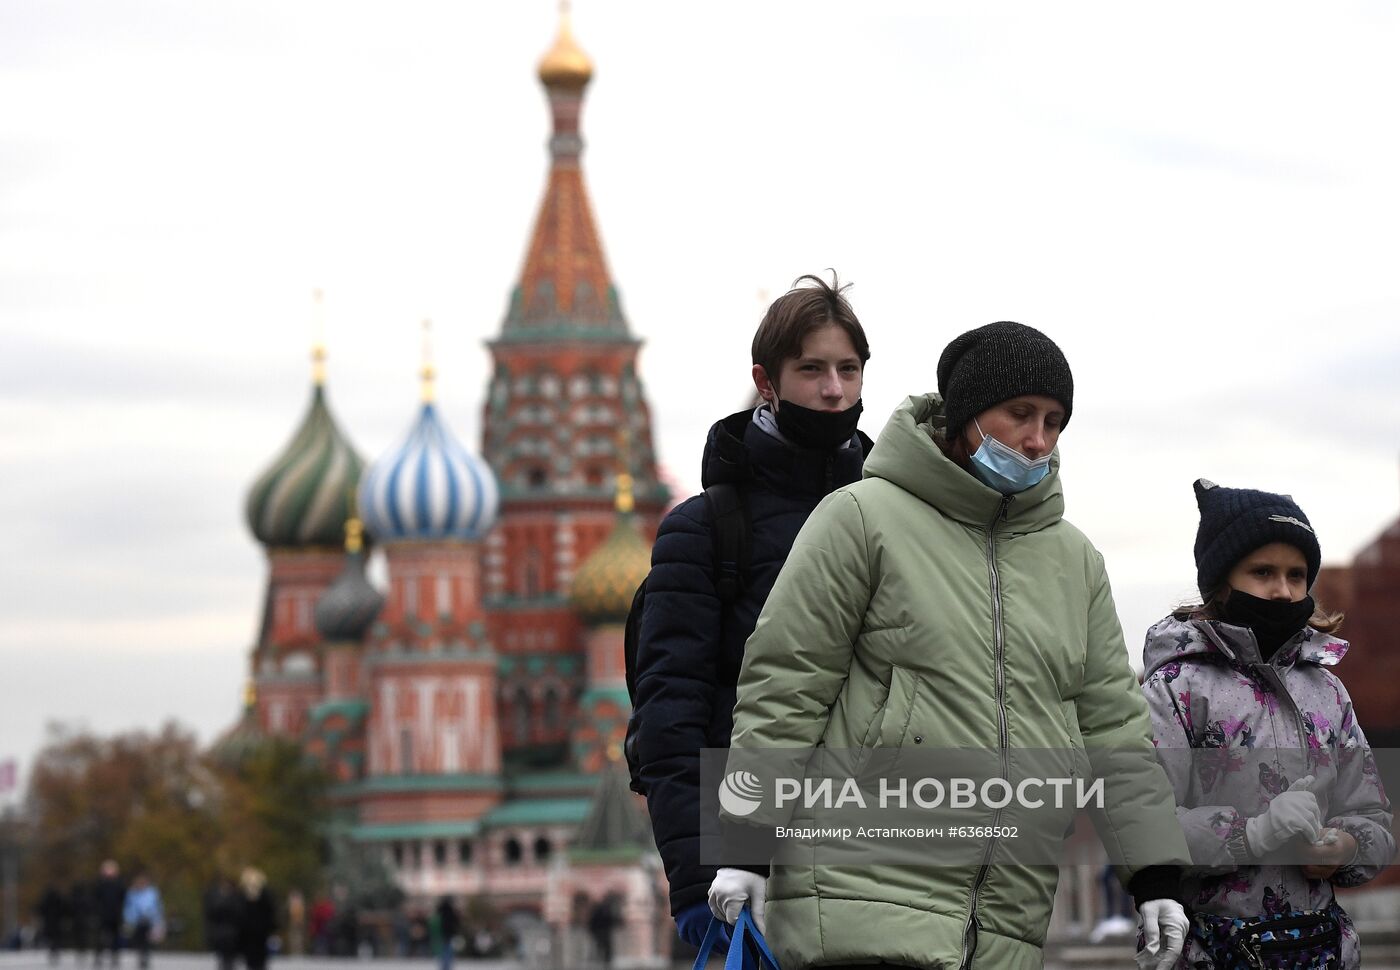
column 307, row 493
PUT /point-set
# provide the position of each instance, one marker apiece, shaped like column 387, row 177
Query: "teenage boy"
column 775, row 462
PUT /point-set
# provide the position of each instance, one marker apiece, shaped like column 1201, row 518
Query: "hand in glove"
column 1164, row 926
column 733, row 888
column 1334, row 849
column 1292, row 813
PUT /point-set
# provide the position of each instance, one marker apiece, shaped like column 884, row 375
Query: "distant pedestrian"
column 345, row 926
column 223, row 908
column 449, row 924
column 257, row 920
column 80, row 918
column 601, row 923
column 418, row 934
column 53, row 913
column 296, row 923
column 108, row 896
column 143, row 916
column 399, row 929
column 321, row 924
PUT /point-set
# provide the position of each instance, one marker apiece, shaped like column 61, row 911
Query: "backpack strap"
column 631, row 639
column 729, row 534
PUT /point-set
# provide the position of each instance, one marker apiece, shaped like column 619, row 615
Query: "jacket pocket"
column 899, row 709
column 1077, row 757
column 871, row 737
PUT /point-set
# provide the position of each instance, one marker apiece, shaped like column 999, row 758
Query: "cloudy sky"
column 1199, row 202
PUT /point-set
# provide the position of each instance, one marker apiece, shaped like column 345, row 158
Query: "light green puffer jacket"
column 919, row 602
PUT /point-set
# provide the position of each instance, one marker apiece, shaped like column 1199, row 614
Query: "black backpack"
column 729, row 535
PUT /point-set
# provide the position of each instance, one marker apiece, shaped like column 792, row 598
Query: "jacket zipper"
column 970, row 928
column 1270, row 675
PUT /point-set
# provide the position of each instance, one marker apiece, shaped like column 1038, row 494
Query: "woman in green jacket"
column 944, row 602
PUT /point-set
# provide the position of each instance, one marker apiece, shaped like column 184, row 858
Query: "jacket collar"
column 1174, row 639
column 738, row 451
column 908, row 455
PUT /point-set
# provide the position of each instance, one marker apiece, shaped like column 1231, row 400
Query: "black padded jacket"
column 691, row 644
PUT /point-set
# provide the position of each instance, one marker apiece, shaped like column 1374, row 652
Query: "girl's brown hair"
column 1322, row 620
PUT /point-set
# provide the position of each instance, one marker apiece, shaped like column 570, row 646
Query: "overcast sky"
column 1198, row 201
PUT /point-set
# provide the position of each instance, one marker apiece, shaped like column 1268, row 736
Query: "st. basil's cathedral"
column 472, row 713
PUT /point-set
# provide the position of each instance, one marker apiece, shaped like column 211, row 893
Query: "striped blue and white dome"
column 429, row 487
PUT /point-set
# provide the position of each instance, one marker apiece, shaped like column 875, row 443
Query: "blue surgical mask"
column 1006, row 469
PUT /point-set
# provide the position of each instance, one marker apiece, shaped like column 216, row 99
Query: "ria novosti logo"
column 740, row 793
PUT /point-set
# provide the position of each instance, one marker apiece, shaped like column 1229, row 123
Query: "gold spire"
column 250, row 695
column 624, row 502
column 566, row 64
column 354, row 534
column 318, row 338
column 427, row 373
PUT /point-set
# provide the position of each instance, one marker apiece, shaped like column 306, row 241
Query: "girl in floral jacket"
column 1276, row 788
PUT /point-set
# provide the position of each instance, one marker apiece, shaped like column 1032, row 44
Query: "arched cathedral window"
column 520, row 715
column 552, row 712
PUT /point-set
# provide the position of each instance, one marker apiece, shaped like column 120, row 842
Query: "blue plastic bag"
column 740, row 956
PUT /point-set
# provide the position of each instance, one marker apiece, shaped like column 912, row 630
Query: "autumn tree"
column 273, row 814
column 155, row 801
column 146, row 800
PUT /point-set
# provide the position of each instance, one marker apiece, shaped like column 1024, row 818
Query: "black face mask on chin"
column 1273, row 621
column 818, row 430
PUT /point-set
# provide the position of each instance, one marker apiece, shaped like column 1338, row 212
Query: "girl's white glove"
column 733, row 888
column 1164, row 926
column 1291, row 813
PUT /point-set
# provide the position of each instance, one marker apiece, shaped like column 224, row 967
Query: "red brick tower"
column 1368, row 592
column 564, row 397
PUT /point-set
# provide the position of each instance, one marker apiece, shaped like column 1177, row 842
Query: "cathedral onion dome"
column 304, row 497
column 606, row 581
column 430, row 487
column 242, row 740
column 566, row 65
column 348, row 607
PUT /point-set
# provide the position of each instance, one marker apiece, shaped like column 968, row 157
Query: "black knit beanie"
column 1236, row 521
column 991, row 364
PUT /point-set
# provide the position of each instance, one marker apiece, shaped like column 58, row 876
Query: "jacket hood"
column 1173, row 639
column 907, row 455
column 737, row 451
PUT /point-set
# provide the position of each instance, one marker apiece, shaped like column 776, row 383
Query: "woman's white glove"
column 733, row 888
column 1292, row 812
column 1164, row 926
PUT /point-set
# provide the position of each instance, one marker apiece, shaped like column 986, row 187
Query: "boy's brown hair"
column 810, row 305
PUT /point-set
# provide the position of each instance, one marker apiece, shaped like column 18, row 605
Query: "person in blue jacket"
column 144, row 917
column 799, row 444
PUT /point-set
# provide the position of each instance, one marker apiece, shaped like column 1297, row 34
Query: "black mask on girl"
column 1273, row 621
column 818, row 430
